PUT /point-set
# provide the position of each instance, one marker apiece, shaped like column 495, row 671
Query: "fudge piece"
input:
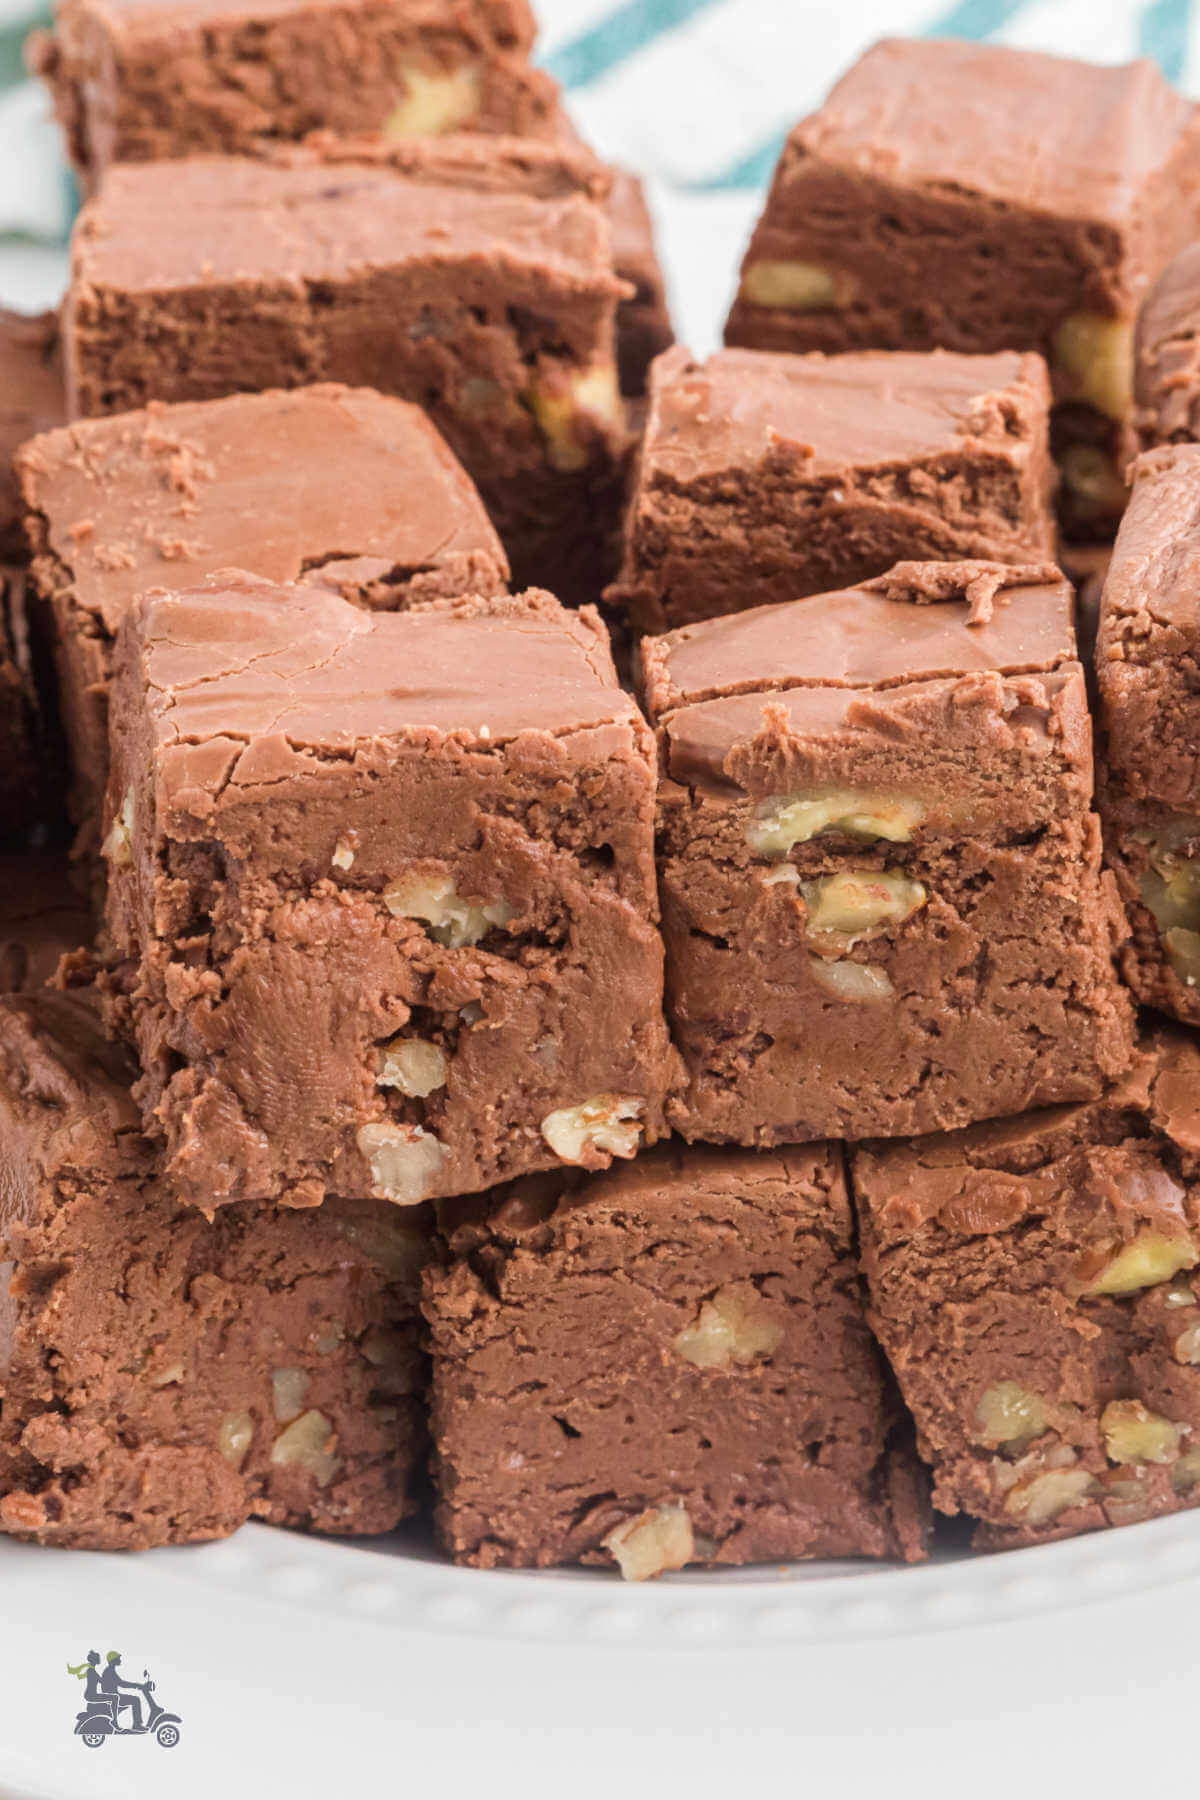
column 493, row 308
column 662, row 1365
column 765, row 478
column 643, row 322
column 1035, row 1285
column 1148, row 676
column 883, row 901
column 1167, row 355
column 344, row 482
column 137, row 80
column 32, row 399
column 385, row 886
column 984, row 199
column 165, row 1378
column 43, row 917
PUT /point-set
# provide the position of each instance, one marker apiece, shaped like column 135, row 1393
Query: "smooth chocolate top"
column 304, row 216
column 866, row 407
column 1043, row 132
column 1154, row 578
column 281, row 482
column 489, row 162
column 32, row 398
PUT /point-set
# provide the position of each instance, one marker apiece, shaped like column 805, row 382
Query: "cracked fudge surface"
column 44, row 916
column 350, row 484
column 1167, row 355
column 384, row 884
column 764, row 478
column 882, row 897
column 1148, row 674
column 140, row 80
column 163, row 1378
column 492, row 306
column 666, row 1363
column 1034, row 1284
column 983, row 199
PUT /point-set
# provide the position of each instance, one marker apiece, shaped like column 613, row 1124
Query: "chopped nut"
column 1180, row 1293
column 1148, row 1259
column 1092, row 360
column 784, row 875
column 391, row 1352
column 235, row 1434
column 405, row 1161
column 1186, row 1348
column 788, row 819
column 1170, row 889
column 587, row 398
column 850, row 980
column 1090, row 474
column 414, row 1066
column 735, row 1326
column 796, row 286
column 390, row 1244
column 343, row 854
column 451, row 921
column 658, row 1539
column 1186, row 1473
column 859, row 903
column 435, row 100
column 118, row 845
column 307, row 1443
column 606, row 1122
column 327, row 1337
column 289, row 1387
column 1047, row 1496
column 173, row 1374
column 1133, row 1434
column 1009, row 1416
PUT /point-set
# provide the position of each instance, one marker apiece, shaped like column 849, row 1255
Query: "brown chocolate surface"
column 445, row 814
column 164, row 1378
column 1032, row 1283
column 1167, row 355
column 644, row 327
column 683, row 1335
column 31, row 400
column 43, row 916
column 349, row 485
column 764, row 478
column 492, row 307
column 882, row 899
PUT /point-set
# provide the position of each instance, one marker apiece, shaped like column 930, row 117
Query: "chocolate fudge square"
column 44, row 916
column 137, row 80
column 764, row 478
column 661, row 1365
column 351, row 486
column 32, row 399
column 493, row 308
column 1035, row 1286
column 164, row 1378
column 984, row 199
column 1167, row 355
column 1148, row 675
column 881, row 882
column 383, row 886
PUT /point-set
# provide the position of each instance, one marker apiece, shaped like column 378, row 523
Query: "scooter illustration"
column 101, row 1719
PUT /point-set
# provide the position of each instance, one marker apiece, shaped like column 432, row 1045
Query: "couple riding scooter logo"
column 113, row 1707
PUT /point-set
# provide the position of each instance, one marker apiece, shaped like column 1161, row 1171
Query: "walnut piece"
column 117, row 847
column 1170, row 890
column 784, row 820
column 1186, row 1348
column 571, row 410
column 656, row 1540
column 735, row 1326
column 396, row 1248
column 414, row 1066
column 289, row 1388
column 796, row 286
column 235, row 1434
column 1056, row 1491
column 343, row 854
column 606, row 1122
column 1145, row 1261
column 855, row 904
column 850, row 980
column 1009, row 1416
column 1186, row 1473
column 327, row 1337
column 1092, row 360
column 1134, row 1434
column 405, row 1161
column 435, row 100
column 307, row 1443
column 1090, row 474
column 450, row 920
column 391, row 1353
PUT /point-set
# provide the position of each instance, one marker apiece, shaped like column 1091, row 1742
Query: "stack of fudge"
column 602, row 943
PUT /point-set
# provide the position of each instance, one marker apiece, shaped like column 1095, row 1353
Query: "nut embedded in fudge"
column 165, row 1378
column 134, row 82
column 883, row 903
column 44, row 916
column 1147, row 665
column 661, row 1365
column 1036, row 1286
column 384, row 887
column 1167, row 355
column 348, row 485
column 983, row 198
column 764, row 478
column 492, row 306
